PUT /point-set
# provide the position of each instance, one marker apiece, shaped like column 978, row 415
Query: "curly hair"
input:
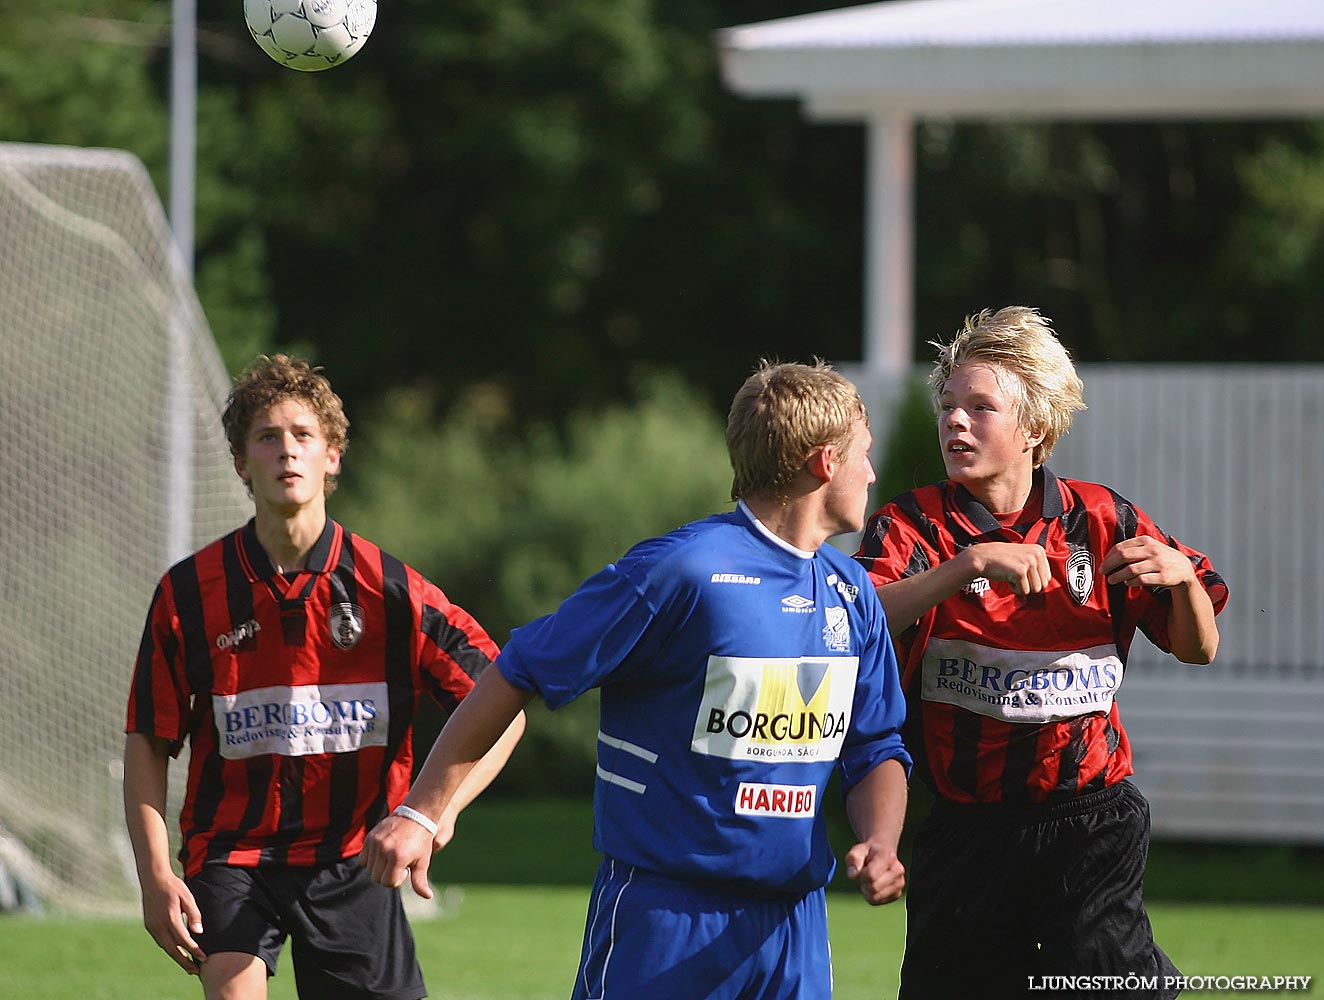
column 271, row 380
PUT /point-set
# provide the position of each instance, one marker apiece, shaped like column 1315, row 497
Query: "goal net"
column 112, row 466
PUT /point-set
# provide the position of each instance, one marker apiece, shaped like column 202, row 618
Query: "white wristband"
column 417, row 817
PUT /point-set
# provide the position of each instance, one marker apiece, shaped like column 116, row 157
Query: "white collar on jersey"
column 771, row 535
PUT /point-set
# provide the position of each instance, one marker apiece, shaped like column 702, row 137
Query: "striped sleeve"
column 453, row 648
column 892, row 547
column 1155, row 604
column 158, row 695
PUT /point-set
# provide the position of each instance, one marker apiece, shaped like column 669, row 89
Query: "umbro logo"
column 795, row 604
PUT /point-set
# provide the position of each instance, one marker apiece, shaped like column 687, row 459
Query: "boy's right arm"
column 170, row 913
column 1023, row 566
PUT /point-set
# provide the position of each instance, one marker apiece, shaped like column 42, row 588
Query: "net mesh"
column 110, row 391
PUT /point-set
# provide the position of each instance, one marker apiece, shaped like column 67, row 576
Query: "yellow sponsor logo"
column 785, row 709
column 793, row 698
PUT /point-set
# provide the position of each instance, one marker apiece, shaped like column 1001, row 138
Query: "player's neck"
column 288, row 536
column 793, row 522
column 1004, row 494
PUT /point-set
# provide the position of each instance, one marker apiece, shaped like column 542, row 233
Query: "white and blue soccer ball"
column 310, row 35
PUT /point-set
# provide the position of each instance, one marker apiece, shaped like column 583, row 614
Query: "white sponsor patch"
column 784, row 801
column 301, row 720
column 1017, row 685
column 777, row 710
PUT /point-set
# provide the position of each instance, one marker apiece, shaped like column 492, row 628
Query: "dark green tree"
column 538, row 198
column 1144, row 241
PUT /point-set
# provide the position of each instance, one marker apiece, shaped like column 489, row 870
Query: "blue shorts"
column 649, row 937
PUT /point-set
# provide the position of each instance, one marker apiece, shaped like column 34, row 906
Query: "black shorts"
column 350, row 937
column 1002, row 898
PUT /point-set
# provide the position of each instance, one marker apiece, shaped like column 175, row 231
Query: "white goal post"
column 112, row 465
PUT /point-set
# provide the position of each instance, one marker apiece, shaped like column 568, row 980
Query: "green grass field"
column 522, row 943
column 518, row 875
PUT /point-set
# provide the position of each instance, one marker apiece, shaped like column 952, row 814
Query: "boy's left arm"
column 876, row 806
column 1145, row 561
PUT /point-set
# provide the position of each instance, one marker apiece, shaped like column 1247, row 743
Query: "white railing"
column 1230, row 459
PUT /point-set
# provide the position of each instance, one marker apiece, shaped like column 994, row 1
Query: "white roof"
column 1047, row 58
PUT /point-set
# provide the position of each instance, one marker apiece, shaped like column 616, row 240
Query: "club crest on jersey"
column 836, row 633
column 346, row 624
column 1080, row 574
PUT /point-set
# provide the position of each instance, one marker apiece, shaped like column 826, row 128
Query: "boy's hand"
column 1145, row 561
column 398, row 848
column 171, row 916
column 1022, row 565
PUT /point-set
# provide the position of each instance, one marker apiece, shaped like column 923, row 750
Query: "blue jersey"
column 736, row 672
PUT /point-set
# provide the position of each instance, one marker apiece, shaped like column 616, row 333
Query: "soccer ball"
column 310, row 35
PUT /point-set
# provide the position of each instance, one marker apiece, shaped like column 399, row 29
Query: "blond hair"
column 1021, row 342
column 779, row 415
column 271, row 380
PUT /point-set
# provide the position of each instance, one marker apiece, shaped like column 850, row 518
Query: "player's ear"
column 822, row 462
column 1034, row 436
column 332, row 460
column 241, row 467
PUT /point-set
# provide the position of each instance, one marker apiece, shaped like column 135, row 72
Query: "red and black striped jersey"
column 1011, row 698
column 296, row 692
